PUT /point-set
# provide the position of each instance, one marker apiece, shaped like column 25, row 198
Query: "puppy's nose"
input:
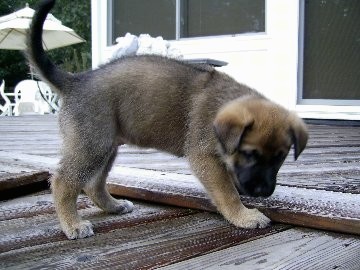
column 262, row 191
column 267, row 192
column 258, row 191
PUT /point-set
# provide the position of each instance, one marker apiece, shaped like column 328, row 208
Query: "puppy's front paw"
column 81, row 229
column 250, row 219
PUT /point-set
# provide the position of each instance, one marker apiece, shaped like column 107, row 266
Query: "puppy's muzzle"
column 258, row 181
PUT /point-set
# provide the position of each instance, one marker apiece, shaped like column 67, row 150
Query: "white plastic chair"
column 28, row 99
column 6, row 108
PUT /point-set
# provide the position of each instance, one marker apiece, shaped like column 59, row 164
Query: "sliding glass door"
column 331, row 53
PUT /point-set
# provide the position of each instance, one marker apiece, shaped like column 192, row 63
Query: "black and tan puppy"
column 234, row 138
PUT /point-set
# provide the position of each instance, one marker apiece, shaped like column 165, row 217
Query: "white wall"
column 246, row 56
column 266, row 61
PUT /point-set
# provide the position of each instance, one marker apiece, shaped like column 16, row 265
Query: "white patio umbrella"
column 13, row 29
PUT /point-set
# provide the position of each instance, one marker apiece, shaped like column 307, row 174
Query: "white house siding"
column 266, row 61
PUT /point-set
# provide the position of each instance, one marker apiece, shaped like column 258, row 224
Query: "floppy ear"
column 299, row 135
column 230, row 130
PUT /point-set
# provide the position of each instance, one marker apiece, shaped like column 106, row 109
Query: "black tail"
column 35, row 52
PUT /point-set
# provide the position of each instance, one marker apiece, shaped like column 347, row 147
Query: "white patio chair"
column 28, row 99
column 6, row 108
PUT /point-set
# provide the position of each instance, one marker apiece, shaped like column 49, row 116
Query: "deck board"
column 320, row 190
column 32, row 238
column 332, row 158
column 328, row 169
column 292, row 249
column 333, row 176
column 297, row 206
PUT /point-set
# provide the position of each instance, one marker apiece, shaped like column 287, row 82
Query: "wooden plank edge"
column 349, row 226
column 17, row 180
column 38, row 181
column 163, row 197
column 24, row 184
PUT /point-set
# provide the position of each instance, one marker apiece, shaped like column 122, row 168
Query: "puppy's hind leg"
column 66, row 188
column 96, row 189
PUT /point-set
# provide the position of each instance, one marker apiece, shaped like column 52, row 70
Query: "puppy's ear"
column 299, row 134
column 230, row 130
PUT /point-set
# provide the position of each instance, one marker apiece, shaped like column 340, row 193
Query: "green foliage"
column 75, row 58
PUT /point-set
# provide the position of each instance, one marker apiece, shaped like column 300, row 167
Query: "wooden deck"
column 316, row 209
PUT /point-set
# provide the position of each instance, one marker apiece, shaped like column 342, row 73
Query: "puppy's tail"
column 36, row 54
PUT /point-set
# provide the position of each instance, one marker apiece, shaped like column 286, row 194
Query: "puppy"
column 234, row 138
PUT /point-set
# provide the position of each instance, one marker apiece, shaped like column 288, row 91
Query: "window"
column 214, row 17
column 331, row 57
column 174, row 19
column 155, row 17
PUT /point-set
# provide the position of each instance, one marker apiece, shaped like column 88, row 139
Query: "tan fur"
column 234, row 138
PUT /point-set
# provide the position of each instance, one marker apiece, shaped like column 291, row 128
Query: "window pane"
column 215, row 17
column 155, row 17
column 332, row 50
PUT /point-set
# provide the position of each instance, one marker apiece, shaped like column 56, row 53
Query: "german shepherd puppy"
column 234, row 138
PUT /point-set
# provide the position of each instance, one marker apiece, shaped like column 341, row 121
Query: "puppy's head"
column 254, row 137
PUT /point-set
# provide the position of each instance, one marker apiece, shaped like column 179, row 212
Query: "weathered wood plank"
column 344, row 177
column 296, row 206
column 292, row 249
column 317, row 132
column 334, row 167
column 148, row 237
column 16, row 180
column 30, row 161
column 320, row 158
column 19, row 180
column 346, row 182
column 8, row 168
column 31, row 220
column 334, row 172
